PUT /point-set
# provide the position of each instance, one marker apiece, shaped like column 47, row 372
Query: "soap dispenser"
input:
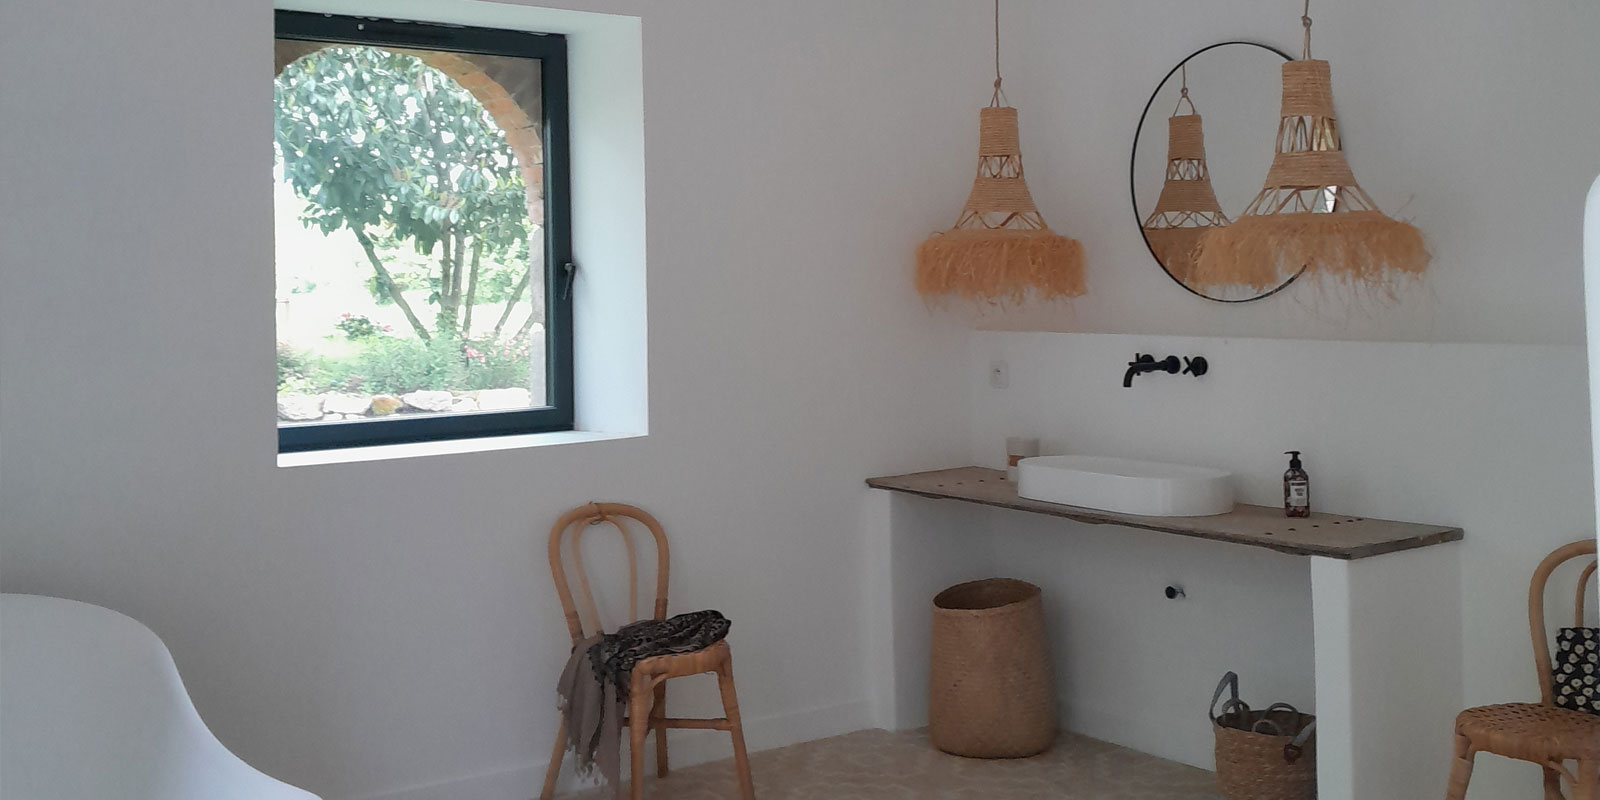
column 1296, row 488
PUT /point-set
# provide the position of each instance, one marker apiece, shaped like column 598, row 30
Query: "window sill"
column 389, row 452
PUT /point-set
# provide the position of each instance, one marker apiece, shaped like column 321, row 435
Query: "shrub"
column 396, row 366
column 358, row 326
column 496, row 365
column 293, row 368
column 392, row 365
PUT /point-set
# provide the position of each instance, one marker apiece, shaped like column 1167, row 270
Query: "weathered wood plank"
column 1329, row 535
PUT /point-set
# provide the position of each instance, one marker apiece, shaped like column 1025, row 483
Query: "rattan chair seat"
column 679, row 665
column 1532, row 732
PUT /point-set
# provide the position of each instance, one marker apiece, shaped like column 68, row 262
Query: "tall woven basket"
column 991, row 689
column 1263, row 755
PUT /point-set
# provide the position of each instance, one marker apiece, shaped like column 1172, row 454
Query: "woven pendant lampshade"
column 1001, row 249
column 1311, row 214
column 1187, row 207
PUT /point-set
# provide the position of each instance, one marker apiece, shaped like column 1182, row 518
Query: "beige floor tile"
column 879, row 765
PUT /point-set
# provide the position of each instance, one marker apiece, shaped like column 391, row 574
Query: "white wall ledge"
column 390, row 452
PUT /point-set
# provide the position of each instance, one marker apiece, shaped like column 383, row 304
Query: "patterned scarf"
column 594, row 698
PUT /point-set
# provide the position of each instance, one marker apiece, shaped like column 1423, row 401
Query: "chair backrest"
column 92, row 708
column 1536, row 623
column 583, row 616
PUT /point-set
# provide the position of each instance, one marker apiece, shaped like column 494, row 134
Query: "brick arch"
column 490, row 79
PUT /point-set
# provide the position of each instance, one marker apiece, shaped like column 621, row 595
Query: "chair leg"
column 1588, row 785
column 638, row 727
column 730, row 709
column 1552, row 785
column 658, row 712
column 554, row 770
column 1461, row 769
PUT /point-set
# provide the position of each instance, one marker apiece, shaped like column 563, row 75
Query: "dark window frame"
column 551, row 50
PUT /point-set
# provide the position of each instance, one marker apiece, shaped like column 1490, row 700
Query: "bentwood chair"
column 1543, row 734
column 647, row 690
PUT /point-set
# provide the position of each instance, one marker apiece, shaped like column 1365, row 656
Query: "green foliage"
column 395, row 366
column 391, row 365
column 293, row 369
column 496, row 365
column 358, row 326
column 385, row 146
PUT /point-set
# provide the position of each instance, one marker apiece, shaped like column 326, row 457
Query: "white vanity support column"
column 915, row 549
column 1591, row 293
column 1387, row 633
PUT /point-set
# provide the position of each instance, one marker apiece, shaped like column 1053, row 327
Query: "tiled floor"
column 878, row 765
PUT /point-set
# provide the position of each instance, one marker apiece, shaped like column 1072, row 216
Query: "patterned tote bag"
column 1576, row 678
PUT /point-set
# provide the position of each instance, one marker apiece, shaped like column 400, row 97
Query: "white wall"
column 1490, row 438
column 365, row 629
column 1465, row 118
column 1472, row 118
column 361, row 629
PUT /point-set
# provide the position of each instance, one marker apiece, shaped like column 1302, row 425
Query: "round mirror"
column 1204, row 144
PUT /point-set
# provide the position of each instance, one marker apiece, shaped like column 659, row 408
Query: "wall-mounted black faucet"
column 1144, row 362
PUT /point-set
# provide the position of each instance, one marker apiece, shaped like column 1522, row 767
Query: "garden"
column 410, row 274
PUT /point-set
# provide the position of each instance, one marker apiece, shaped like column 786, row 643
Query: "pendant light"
column 1311, row 214
column 1187, row 207
column 1001, row 249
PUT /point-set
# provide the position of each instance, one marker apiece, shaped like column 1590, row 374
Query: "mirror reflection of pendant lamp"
column 1187, row 207
column 1311, row 214
column 1000, row 249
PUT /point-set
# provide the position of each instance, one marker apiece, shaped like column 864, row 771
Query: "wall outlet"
column 999, row 374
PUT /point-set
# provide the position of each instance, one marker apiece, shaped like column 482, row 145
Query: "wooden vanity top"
column 1328, row 535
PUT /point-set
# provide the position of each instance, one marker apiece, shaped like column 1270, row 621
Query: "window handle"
column 572, row 274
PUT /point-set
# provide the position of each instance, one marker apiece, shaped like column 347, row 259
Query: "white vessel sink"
column 1123, row 486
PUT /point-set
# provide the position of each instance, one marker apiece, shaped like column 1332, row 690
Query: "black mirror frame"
column 1133, row 193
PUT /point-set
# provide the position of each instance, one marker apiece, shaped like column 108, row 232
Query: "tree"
column 381, row 144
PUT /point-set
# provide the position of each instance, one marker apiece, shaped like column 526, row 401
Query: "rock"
column 345, row 404
column 429, row 400
column 464, row 404
column 504, row 399
column 299, row 407
column 332, row 417
column 384, row 404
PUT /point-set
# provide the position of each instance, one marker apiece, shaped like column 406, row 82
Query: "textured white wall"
column 1472, row 118
column 1463, row 117
column 363, row 629
column 1492, row 438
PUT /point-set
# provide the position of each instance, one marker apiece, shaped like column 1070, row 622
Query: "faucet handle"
column 1196, row 366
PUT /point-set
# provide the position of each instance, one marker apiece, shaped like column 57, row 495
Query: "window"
column 423, row 233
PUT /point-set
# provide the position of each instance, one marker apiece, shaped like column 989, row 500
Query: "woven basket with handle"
column 991, row 688
column 1262, row 755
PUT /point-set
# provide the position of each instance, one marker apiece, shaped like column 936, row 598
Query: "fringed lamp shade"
column 1188, row 206
column 1000, row 248
column 1311, row 214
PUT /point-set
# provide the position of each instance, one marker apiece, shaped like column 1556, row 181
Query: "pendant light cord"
column 1305, row 21
column 999, row 98
column 1183, row 94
